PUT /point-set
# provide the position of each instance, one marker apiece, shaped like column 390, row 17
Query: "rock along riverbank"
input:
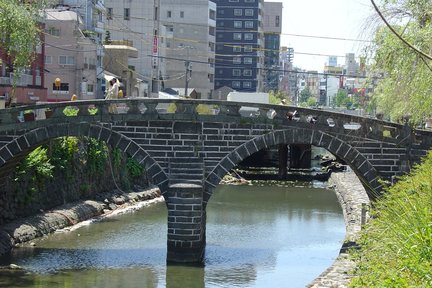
column 24, row 230
column 354, row 202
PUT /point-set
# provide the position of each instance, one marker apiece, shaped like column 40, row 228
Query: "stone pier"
column 186, row 224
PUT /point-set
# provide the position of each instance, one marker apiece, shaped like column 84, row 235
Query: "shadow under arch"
column 360, row 165
column 36, row 137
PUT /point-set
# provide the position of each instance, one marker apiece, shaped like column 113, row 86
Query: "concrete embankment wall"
column 354, row 202
column 27, row 229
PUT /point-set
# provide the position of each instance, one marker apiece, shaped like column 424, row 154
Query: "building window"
column 247, row 60
column 219, row 47
column 248, row 36
column 236, row 48
column 53, row 31
column 212, row 14
column 220, row 11
column 90, row 88
column 212, row 31
column 247, row 84
column 237, row 36
column 247, row 72
column 238, row 24
column 48, row 59
column 63, row 89
column 277, row 21
column 235, row 84
column 236, row 72
column 66, row 60
column 238, row 12
column 220, row 23
column 109, row 13
column 181, row 14
column 249, row 12
column 236, row 60
column 249, row 1
column 126, row 15
column 249, row 24
column 233, row 1
column 248, row 48
column 169, row 14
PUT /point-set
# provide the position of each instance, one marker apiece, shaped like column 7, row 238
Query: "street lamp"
column 57, row 83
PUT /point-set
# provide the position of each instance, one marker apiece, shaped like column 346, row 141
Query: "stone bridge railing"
column 211, row 110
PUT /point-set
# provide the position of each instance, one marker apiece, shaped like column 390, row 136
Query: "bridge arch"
column 36, row 137
column 360, row 165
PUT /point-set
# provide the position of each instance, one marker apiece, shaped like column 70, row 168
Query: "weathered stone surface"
column 354, row 202
column 27, row 229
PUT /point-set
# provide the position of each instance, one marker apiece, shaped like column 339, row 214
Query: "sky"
column 330, row 18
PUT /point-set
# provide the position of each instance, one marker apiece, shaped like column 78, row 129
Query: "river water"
column 257, row 236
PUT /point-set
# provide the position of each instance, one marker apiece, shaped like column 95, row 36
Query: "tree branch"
column 397, row 34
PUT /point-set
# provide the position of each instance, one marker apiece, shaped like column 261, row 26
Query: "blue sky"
column 331, row 18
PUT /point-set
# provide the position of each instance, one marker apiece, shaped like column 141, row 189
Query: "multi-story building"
column 190, row 27
column 70, row 56
column 139, row 22
column 272, row 30
column 351, row 65
column 28, row 84
column 93, row 14
column 239, row 43
column 288, row 75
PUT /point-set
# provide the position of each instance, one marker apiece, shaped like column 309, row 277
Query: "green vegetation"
column 278, row 97
column 81, row 162
column 406, row 87
column 20, row 33
column 396, row 246
column 34, row 170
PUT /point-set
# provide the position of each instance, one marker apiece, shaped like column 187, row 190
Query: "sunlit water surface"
column 257, row 236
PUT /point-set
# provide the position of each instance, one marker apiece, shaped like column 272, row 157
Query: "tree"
column 406, row 87
column 341, row 99
column 305, row 94
column 20, row 31
column 278, row 97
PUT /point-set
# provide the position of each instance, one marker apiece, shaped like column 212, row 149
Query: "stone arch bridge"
column 187, row 146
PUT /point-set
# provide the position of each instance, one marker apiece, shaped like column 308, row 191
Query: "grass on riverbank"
column 397, row 243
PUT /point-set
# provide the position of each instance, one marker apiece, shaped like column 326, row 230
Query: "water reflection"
column 256, row 237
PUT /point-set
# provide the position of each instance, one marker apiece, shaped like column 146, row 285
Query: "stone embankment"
column 354, row 202
column 27, row 229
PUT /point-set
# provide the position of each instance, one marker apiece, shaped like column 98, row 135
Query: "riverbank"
column 354, row 202
column 24, row 230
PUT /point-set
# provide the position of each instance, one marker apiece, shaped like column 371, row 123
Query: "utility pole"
column 188, row 70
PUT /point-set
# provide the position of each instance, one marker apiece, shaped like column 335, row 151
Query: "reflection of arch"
column 336, row 146
column 34, row 138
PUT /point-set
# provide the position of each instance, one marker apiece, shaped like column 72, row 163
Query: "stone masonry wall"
column 354, row 202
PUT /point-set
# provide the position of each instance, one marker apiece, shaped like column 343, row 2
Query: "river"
column 257, row 236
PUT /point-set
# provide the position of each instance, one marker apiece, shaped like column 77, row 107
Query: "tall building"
column 167, row 34
column 239, row 43
column 190, row 38
column 351, row 65
column 138, row 22
column 70, row 56
column 272, row 30
column 93, row 15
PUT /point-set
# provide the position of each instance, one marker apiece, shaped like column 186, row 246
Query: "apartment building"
column 93, row 14
column 272, row 32
column 239, row 43
column 69, row 56
column 189, row 41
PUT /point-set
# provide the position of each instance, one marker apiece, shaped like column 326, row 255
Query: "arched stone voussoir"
column 36, row 137
column 344, row 151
